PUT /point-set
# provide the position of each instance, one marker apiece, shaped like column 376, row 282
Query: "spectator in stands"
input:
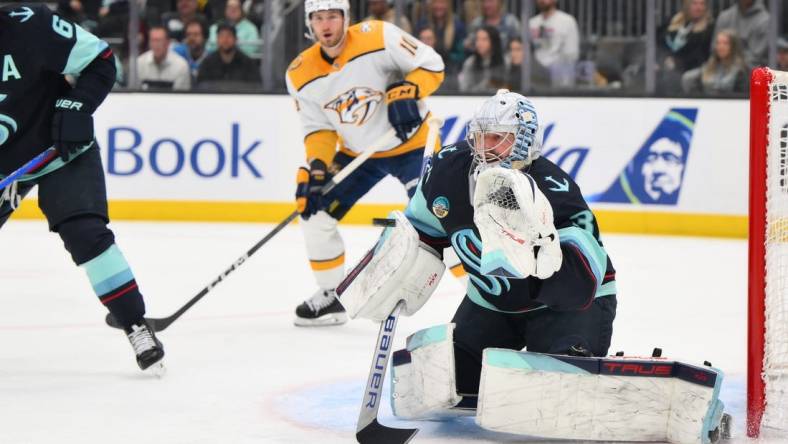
column 228, row 67
column 248, row 35
column 724, row 72
column 427, row 36
column 484, row 70
column 684, row 44
column 750, row 21
column 556, row 41
column 513, row 62
column 381, row 10
column 470, row 10
column 782, row 54
column 175, row 22
column 193, row 47
column 449, row 33
column 493, row 15
column 159, row 68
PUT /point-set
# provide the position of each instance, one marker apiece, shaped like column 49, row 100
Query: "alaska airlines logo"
column 357, row 105
column 656, row 173
column 7, row 125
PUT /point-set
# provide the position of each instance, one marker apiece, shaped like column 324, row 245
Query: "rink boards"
column 646, row 165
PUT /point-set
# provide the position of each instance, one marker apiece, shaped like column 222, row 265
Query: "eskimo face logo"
column 357, row 105
column 663, row 168
column 7, row 125
column 655, row 174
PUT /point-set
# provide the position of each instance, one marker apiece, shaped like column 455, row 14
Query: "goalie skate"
column 322, row 309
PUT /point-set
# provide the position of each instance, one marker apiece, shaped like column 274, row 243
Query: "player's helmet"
column 311, row 6
column 510, row 116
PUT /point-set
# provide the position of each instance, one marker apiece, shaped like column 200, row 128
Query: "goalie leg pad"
column 606, row 399
column 399, row 267
column 325, row 249
column 423, row 381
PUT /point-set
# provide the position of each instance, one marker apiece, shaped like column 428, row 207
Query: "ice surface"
column 240, row 372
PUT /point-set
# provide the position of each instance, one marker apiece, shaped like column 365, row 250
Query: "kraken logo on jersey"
column 468, row 247
column 356, row 105
column 7, row 125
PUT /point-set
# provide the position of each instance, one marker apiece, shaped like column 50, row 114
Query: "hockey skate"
column 147, row 347
column 323, row 308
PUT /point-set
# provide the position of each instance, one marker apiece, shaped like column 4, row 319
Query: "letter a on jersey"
column 9, row 68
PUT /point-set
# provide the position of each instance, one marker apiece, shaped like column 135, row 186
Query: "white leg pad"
column 615, row 399
column 324, row 243
column 423, row 381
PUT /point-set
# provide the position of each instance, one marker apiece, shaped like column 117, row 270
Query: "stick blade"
column 112, row 322
column 156, row 324
column 383, row 222
column 377, row 433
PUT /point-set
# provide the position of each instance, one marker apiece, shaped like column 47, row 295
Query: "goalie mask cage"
column 767, row 355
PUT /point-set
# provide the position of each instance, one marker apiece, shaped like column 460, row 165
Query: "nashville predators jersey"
column 342, row 101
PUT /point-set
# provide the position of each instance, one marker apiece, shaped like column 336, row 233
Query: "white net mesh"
column 775, row 366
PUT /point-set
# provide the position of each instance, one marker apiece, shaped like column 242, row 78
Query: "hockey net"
column 767, row 397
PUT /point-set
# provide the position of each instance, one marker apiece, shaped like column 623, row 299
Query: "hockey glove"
column 72, row 128
column 309, row 183
column 514, row 218
column 403, row 107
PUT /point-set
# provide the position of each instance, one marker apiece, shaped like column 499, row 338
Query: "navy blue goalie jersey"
column 37, row 49
column 442, row 213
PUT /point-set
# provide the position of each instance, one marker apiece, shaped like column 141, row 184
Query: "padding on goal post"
column 767, row 357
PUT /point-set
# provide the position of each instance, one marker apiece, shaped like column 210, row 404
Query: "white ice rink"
column 240, row 372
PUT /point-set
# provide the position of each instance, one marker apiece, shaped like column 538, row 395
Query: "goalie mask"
column 312, row 6
column 503, row 131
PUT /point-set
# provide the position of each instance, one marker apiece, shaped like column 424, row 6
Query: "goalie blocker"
column 398, row 268
column 562, row 397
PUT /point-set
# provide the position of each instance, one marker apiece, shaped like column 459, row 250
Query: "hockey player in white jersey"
column 352, row 86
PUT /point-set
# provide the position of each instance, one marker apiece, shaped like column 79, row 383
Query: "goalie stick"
column 159, row 324
column 368, row 429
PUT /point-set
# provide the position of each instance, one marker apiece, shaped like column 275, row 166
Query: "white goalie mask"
column 311, row 6
column 507, row 118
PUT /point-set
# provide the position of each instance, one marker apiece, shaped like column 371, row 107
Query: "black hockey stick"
column 159, row 324
column 368, row 429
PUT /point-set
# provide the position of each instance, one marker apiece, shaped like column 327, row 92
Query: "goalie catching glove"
column 399, row 267
column 515, row 222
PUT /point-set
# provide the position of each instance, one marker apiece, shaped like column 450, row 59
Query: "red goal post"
column 767, row 354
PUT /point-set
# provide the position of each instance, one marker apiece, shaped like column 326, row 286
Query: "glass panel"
column 610, row 56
